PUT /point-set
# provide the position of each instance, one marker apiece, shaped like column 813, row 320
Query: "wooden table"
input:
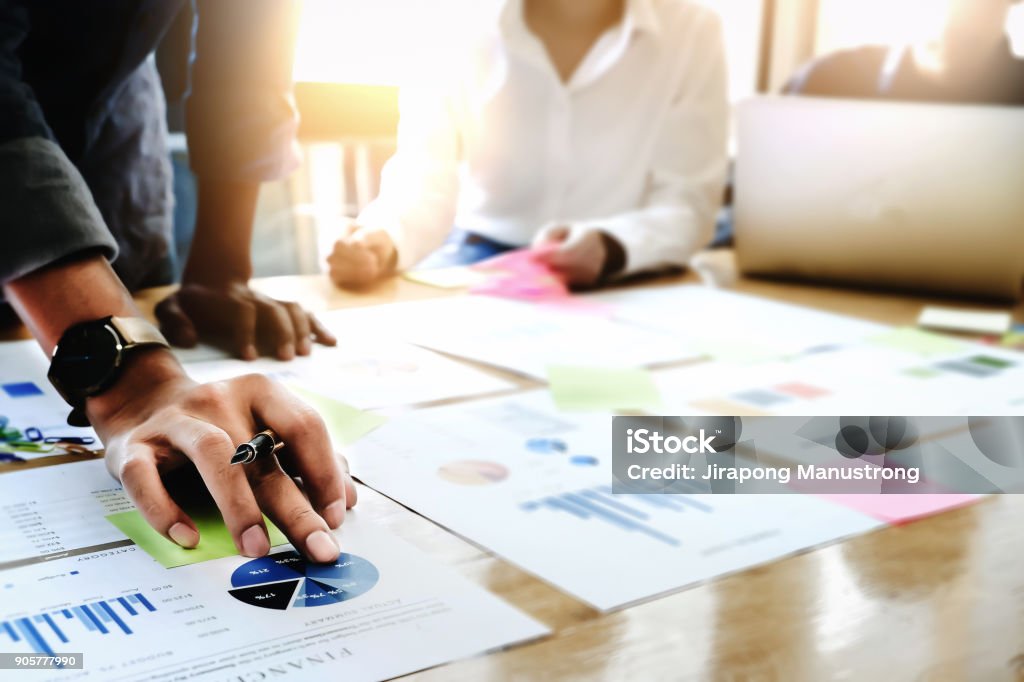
column 939, row 599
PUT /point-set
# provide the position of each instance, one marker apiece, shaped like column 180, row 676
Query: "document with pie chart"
column 533, row 484
column 382, row 610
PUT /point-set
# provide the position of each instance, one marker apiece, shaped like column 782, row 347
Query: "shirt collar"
column 639, row 16
column 642, row 16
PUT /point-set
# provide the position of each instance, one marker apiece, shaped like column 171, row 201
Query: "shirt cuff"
column 643, row 251
column 378, row 216
column 49, row 208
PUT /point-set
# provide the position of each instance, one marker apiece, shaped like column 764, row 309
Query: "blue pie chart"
column 286, row 580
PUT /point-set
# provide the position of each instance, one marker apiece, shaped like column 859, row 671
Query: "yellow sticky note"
column 456, row 277
column 602, row 389
column 918, row 341
column 345, row 423
column 215, row 540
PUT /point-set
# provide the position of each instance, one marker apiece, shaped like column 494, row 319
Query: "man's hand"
column 233, row 315
column 362, row 256
column 583, row 256
column 156, row 419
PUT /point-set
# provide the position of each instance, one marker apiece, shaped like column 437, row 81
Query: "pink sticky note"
column 899, row 509
column 520, row 274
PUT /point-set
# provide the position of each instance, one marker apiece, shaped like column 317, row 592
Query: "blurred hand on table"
column 243, row 321
column 583, row 256
column 362, row 256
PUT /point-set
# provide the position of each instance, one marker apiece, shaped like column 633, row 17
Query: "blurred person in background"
column 87, row 167
column 595, row 129
column 971, row 62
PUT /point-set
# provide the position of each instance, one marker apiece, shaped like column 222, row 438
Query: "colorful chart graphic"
column 546, row 446
column 780, row 394
column 473, row 472
column 286, row 580
column 977, row 367
column 801, row 390
column 980, row 366
column 67, row 626
column 22, row 389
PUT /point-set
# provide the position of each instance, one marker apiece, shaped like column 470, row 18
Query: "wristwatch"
column 90, row 356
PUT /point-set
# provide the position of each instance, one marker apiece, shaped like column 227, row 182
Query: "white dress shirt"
column 633, row 144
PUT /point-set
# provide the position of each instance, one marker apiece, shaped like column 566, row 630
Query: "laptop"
column 909, row 196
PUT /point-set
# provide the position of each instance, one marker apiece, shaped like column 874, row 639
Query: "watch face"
column 86, row 356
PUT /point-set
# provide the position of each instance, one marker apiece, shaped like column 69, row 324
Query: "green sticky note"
column 922, row 372
column 214, row 537
column 602, row 389
column 1013, row 340
column 913, row 340
column 345, row 423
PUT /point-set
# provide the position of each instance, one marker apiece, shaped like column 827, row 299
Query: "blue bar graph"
column 127, row 607
column 90, row 619
column 53, row 626
column 105, row 617
column 142, row 600
column 623, row 511
column 33, row 637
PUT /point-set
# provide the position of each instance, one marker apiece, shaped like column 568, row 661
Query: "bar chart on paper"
column 533, row 485
column 622, row 512
column 64, row 629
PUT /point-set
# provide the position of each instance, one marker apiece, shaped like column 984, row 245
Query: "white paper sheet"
column 532, row 485
column 522, row 337
column 733, row 324
column 384, row 610
column 861, row 379
column 366, row 372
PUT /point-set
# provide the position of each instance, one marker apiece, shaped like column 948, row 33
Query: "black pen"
column 263, row 444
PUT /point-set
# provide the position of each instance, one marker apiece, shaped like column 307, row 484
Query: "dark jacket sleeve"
column 46, row 208
column 241, row 118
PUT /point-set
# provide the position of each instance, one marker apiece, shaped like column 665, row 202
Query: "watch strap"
column 77, row 417
column 138, row 331
column 134, row 332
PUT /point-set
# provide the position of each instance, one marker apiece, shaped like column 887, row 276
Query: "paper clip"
column 75, row 440
column 33, row 434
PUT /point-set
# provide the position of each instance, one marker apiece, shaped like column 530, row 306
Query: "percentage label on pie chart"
column 286, row 580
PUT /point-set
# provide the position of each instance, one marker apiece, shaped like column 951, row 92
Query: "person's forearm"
column 54, row 298
column 221, row 248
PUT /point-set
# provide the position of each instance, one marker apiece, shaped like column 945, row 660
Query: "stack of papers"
column 382, row 610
